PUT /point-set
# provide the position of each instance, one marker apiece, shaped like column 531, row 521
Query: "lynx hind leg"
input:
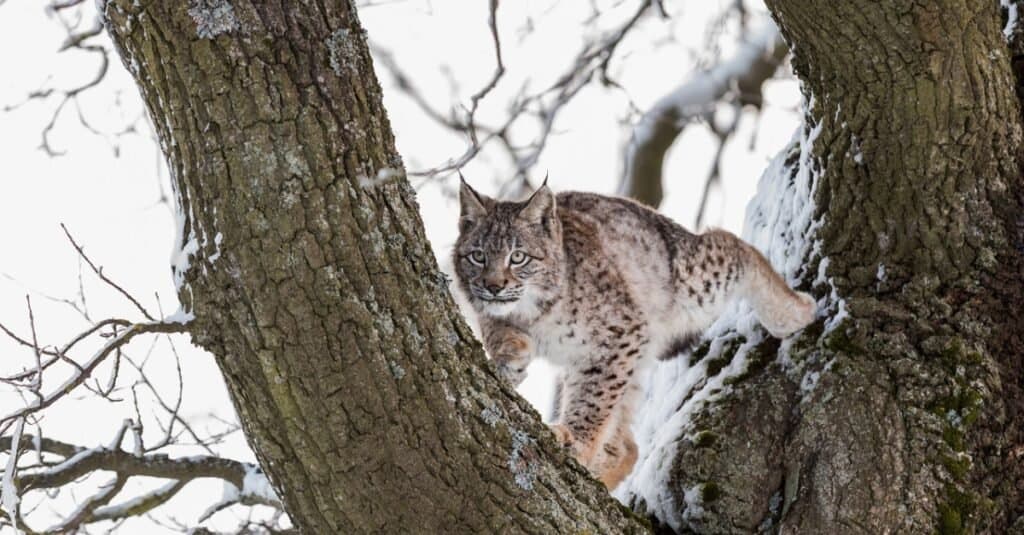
column 617, row 456
column 615, row 460
column 590, row 407
column 780, row 309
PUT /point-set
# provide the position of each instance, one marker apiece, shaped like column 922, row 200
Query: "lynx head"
column 508, row 257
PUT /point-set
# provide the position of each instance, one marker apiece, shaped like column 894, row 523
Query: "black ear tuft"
column 540, row 208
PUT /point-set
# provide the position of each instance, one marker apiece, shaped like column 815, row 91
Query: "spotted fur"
column 601, row 286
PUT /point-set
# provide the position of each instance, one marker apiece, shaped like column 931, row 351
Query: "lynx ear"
column 473, row 206
column 540, row 207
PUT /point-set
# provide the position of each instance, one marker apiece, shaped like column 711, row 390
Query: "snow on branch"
column 782, row 221
column 56, row 465
column 755, row 62
column 66, row 463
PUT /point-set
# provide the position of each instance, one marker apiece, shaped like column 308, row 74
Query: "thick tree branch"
column 250, row 485
column 80, row 461
column 359, row 386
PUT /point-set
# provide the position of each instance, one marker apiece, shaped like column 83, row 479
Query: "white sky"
column 110, row 203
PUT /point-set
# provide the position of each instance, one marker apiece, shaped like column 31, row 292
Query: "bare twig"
column 715, row 175
column 99, row 273
column 57, row 6
column 85, row 370
column 544, row 106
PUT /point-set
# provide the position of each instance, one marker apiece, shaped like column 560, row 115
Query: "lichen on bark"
column 356, row 381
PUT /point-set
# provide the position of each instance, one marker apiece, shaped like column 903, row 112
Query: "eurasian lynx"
column 600, row 285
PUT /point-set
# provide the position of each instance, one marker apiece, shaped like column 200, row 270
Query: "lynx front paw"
column 563, row 434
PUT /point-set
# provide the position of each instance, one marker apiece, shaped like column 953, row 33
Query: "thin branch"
column 86, row 369
column 141, row 505
column 594, row 58
column 99, row 273
column 715, row 175
column 499, row 69
column 58, row 355
column 57, row 6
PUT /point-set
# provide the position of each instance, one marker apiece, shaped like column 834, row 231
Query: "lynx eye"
column 477, row 257
column 517, row 258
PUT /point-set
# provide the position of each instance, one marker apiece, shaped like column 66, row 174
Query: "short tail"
column 779, row 308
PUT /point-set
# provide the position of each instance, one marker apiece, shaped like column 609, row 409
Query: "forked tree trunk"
column 369, row 403
column 912, row 154
column 362, row 391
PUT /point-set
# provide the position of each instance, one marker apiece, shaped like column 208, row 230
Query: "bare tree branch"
column 755, row 62
column 592, row 62
column 499, row 69
column 249, row 484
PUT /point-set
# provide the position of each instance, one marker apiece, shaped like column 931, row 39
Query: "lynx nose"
column 494, row 288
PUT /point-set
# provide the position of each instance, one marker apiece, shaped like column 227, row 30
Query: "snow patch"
column 858, row 156
column 216, row 244
column 674, row 391
column 256, row 486
column 181, row 260
column 185, row 245
column 101, row 11
column 181, row 317
column 694, row 503
column 383, row 175
column 822, row 277
column 256, row 489
column 810, row 380
column 1012, row 16
column 840, row 314
column 124, row 508
column 780, row 218
column 212, row 17
column 781, row 222
column 69, row 462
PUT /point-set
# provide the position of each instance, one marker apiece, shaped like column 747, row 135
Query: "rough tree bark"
column 915, row 424
column 369, row 403
column 363, row 393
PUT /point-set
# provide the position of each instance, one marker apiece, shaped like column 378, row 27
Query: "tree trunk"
column 900, row 412
column 302, row 255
